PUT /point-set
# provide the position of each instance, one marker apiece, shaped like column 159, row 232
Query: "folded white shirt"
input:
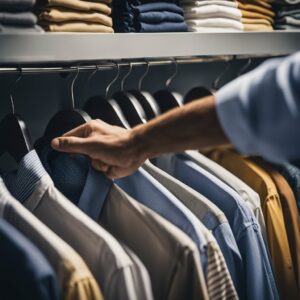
column 211, row 29
column 216, row 23
column 212, row 11
column 198, row 3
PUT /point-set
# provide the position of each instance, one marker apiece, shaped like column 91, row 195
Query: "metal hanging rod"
column 110, row 65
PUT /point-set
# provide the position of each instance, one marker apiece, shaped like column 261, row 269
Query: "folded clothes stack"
column 225, row 15
column 257, row 15
column 75, row 15
column 288, row 15
column 16, row 17
column 147, row 16
column 212, row 15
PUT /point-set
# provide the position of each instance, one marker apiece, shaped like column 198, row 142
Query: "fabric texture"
column 26, row 19
column 292, row 175
column 218, row 226
column 160, row 27
column 76, row 27
column 258, row 278
column 16, row 5
column 82, row 6
column 215, row 22
column 105, row 257
column 250, row 197
column 159, row 17
column 256, row 8
column 261, row 182
column 255, row 110
column 25, row 272
column 62, row 15
column 74, row 278
column 20, row 29
column 257, row 27
column 212, row 11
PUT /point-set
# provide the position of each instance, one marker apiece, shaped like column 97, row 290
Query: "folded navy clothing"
column 159, row 17
column 16, row 5
column 148, row 27
column 18, row 18
column 161, row 27
column 20, row 29
column 157, row 6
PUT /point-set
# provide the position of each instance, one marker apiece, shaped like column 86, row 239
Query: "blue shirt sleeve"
column 260, row 111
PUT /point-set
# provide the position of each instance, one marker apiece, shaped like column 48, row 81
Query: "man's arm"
column 259, row 113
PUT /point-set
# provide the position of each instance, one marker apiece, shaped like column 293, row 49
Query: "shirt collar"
column 22, row 182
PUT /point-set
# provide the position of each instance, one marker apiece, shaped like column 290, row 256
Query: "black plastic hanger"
column 108, row 110
column 66, row 120
column 166, row 99
column 145, row 99
column 14, row 135
column 132, row 109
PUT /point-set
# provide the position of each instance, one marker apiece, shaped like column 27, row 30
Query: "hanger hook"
column 114, row 79
column 144, row 76
column 93, row 73
column 12, row 88
column 126, row 76
column 216, row 82
column 245, row 67
column 168, row 82
column 72, row 88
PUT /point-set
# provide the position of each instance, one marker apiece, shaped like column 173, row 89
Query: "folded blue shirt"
column 258, row 279
column 24, row 271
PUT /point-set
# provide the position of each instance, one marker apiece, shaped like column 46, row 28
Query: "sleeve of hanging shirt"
column 260, row 111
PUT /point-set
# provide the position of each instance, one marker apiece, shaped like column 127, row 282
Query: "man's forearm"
column 193, row 126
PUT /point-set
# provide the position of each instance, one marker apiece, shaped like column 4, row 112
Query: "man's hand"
column 113, row 150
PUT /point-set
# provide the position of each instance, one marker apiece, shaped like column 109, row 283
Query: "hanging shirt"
column 248, row 106
column 24, row 271
column 258, row 279
column 108, row 262
column 290, row 216
column 263, row 184
column 217, row 226
column 170, row 256
column 74, row 278
column 148, row 191
column 246, row 193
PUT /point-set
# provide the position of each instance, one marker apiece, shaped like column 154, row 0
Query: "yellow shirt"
column 259, row 180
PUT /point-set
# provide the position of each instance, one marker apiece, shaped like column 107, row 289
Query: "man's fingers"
column 81, row 131
column 100, row 166
column 71, row 145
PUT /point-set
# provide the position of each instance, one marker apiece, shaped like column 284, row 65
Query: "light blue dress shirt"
column 260, row 111
column 259, row 282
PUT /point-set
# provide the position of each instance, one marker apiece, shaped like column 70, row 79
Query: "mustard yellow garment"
column 256, row 8
column 261, row 182
column 57, row 15
column 290, row 215
column 255, row 15
column 257, row 27
column 76, row 27
column 258, row 3
column 256, row 21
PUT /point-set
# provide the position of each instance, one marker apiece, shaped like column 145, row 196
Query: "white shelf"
column 75, row 47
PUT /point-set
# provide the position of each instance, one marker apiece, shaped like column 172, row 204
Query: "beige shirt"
column 75, row 279
column 170, row 256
